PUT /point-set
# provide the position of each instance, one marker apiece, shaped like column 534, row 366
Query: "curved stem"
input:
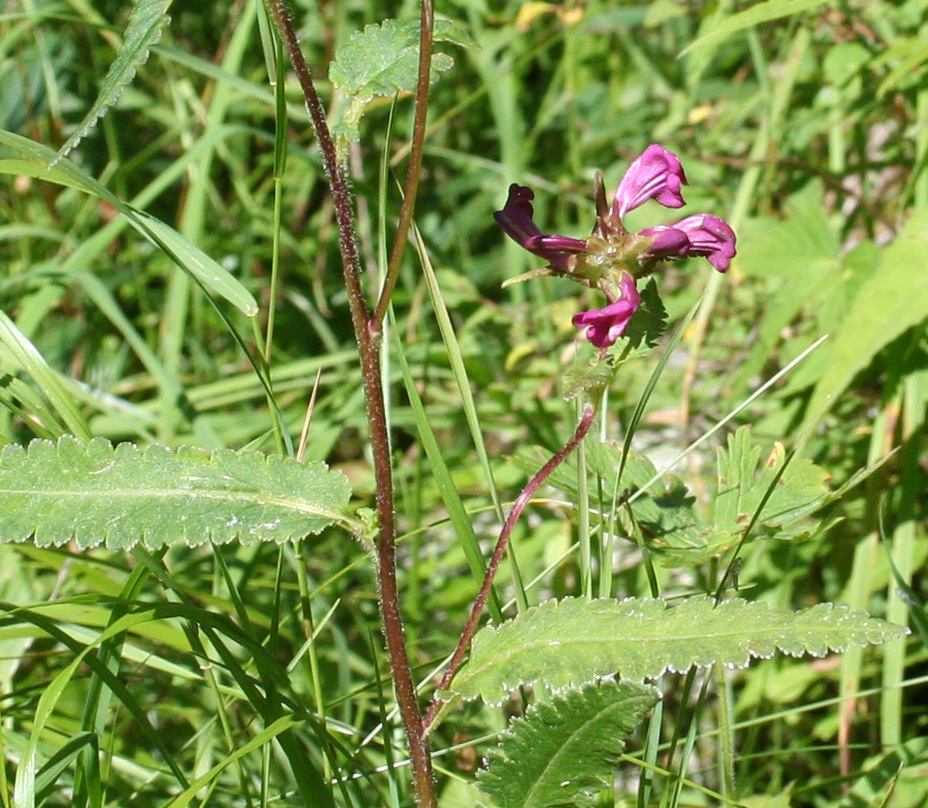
column 586, row 421
column 415, row 164
column 368, row 348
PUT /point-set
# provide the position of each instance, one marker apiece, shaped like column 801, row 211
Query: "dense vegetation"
column 161, row 670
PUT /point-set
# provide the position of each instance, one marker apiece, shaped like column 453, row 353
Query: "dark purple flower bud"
column 656, row 174
column 604, row 326
column 709, row 236
column 516, row 221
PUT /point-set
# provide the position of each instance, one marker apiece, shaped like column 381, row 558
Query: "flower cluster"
column 612, row 259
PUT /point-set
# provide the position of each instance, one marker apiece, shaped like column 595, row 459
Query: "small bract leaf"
column 567, row 643
column 566, row 749
column 95, row 493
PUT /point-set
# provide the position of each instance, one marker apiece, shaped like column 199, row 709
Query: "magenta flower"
column 657, row 174
column 604, row 326
column 611, row 259
column 516, row 222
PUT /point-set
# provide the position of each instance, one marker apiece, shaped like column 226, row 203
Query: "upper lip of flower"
column 656, row 174
column 516, row 221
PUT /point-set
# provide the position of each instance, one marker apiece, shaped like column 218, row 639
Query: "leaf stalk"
column 586, row 421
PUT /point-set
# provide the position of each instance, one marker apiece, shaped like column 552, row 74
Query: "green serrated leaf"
column 650, row 320
column 566, row 749
column 566, row 643
column 146, row 23
column 588, row 377
column 383, row 60
column 798, row 491
column 95, row 493
column 665, row 513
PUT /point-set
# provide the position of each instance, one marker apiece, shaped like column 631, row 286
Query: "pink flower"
column 702, row 235
column 709, row 237
column 656, row 174
column 612, row 258
column 604, row 326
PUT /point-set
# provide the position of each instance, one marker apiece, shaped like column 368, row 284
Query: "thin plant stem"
column 523, row 499
column 369, row 352
column 415, row 165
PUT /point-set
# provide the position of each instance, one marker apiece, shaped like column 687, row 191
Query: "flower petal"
column 516, row 221
column 604, row 326
column 666, row 242
column 656, row 174
column 711, row 237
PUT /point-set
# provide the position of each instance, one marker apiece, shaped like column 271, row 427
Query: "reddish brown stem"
column 368, row 348
column 415, row 164
column 523, row 499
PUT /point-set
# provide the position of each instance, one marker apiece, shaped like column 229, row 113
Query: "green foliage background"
column 805, row 124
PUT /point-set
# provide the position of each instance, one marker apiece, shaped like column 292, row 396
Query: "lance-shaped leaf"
column 565, row 750
column 566, row 643
column 95, row 493
column 146, row 22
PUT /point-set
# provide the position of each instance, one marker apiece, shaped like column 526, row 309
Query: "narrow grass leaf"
column 27, row 357
column 755, row 15
column 24, row 790
column 191, row 258
column 266, row 735
column 35, row 160
column 445, row 484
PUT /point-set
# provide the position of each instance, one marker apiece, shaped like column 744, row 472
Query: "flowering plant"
column 611, row 258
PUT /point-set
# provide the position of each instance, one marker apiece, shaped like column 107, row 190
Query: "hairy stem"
column 368, row 347
column 523, row 499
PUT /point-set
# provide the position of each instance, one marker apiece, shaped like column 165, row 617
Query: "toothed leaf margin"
column 564, row 751
column 95, row 493
column 563, row 644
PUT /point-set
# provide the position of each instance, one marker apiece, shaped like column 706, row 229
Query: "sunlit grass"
column 248, row 675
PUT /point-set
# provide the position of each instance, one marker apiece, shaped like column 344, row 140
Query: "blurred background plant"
column 805, row 125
